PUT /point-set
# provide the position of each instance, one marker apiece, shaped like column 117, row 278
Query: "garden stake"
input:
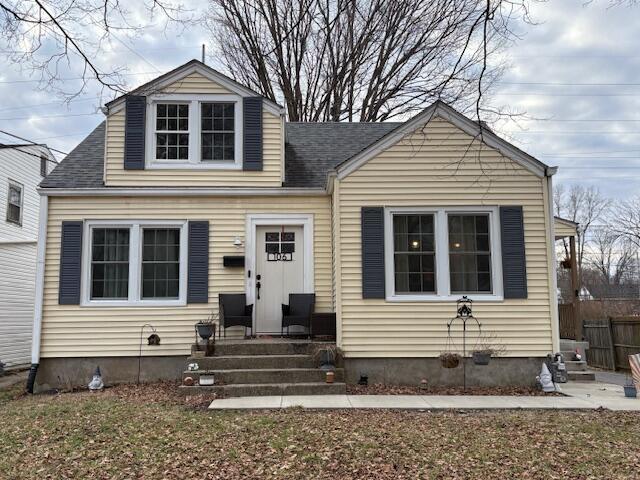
column 464, row 313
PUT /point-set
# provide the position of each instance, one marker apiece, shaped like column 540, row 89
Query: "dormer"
column 194, row 126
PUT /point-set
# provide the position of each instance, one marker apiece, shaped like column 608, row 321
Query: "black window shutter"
column 373, row 281
column 514, row 265
column 252, row 131
column 70, row 263
column 134, row 132
column 198, row 275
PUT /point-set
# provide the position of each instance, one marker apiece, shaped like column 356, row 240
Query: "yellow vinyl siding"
column 441, row 166
column 270, row 176
column 196, row 83
column 74, row 331
column 563, row 229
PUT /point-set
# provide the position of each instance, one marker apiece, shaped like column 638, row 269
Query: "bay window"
column 442, row 253
column 134, row 262
column 194, row 131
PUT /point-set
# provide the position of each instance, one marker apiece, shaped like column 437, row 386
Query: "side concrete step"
column 246, row 362
column 254, row 390
column 581, row 376
column 300, row 347
column 575, row 366
column 266, row 376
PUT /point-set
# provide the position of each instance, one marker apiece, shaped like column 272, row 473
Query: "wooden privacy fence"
column 568, row 318
column 611, row 341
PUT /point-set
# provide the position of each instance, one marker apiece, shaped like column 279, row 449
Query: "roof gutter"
column 180, row 192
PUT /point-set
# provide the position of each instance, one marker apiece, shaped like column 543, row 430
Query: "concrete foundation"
column 410, row 371
column 66, row 373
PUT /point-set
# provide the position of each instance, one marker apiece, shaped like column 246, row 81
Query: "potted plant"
column 630, row 390
column 482, row 357
column 487, row 347
column 449, row 359
column 206, row 328
column 326, row 355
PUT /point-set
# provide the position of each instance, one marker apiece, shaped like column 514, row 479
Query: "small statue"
column 545, row 379
column 96, row 382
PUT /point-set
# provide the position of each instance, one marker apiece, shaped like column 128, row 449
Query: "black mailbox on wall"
column 233, row 260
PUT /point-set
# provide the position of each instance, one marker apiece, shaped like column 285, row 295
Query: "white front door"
column 279, row 271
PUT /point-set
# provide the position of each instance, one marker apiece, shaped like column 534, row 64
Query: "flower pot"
column 630, row 391
column 481, row 358
column 449, row 360
column 205, row 330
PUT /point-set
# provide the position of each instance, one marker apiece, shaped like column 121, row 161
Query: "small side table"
column 323, row 324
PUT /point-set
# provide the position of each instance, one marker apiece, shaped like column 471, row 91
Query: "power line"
column 7, row 82
column 537, row 94
column 50, row 116
column 569, row 84
column 30, row 141
column 35, row 105
column 17, row 149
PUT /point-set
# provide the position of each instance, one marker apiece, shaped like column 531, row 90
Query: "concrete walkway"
column 580, row 396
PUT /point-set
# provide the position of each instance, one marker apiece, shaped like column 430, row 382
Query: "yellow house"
column 195, row 186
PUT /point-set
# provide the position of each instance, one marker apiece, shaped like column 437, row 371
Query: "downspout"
column 553, row 281
column 39, row 293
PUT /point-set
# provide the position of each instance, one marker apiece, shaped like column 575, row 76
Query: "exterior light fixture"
column 237, row 242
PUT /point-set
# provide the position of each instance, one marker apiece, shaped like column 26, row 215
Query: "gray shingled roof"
column 83, row 167
column 311, row 150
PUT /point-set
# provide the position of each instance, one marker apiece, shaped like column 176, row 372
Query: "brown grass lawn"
column 149, row 433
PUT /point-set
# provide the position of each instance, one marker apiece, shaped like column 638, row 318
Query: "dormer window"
column 194, row 131
column 218, row 138
column 172, row 131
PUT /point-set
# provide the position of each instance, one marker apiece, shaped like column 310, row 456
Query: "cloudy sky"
column 576, row 74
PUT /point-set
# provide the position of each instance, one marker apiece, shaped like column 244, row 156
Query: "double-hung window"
column 172, row 131
column 194, row 131
column 110, row 263
column 129, row 262
column 14, row 203
column 469, row 253
column 218, row 136
column 414, row 253
column 442, row 253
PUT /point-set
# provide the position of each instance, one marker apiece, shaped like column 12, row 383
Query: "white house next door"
column 279, row 271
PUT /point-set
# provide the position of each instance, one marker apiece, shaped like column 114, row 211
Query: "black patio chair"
column 234, row 311
column 298, row 312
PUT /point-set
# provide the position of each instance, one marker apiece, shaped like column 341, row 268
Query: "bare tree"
column 611, row 255
column 55, row 37
column 625, row 220
column 583, row 205
column 366, row 60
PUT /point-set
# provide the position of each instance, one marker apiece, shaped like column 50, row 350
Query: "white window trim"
column 443, row 283
column 135, row 263
column 194, row 161
column 13, row 183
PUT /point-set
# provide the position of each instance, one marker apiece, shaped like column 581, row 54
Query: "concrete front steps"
column 262, row 367
column 577, row 371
